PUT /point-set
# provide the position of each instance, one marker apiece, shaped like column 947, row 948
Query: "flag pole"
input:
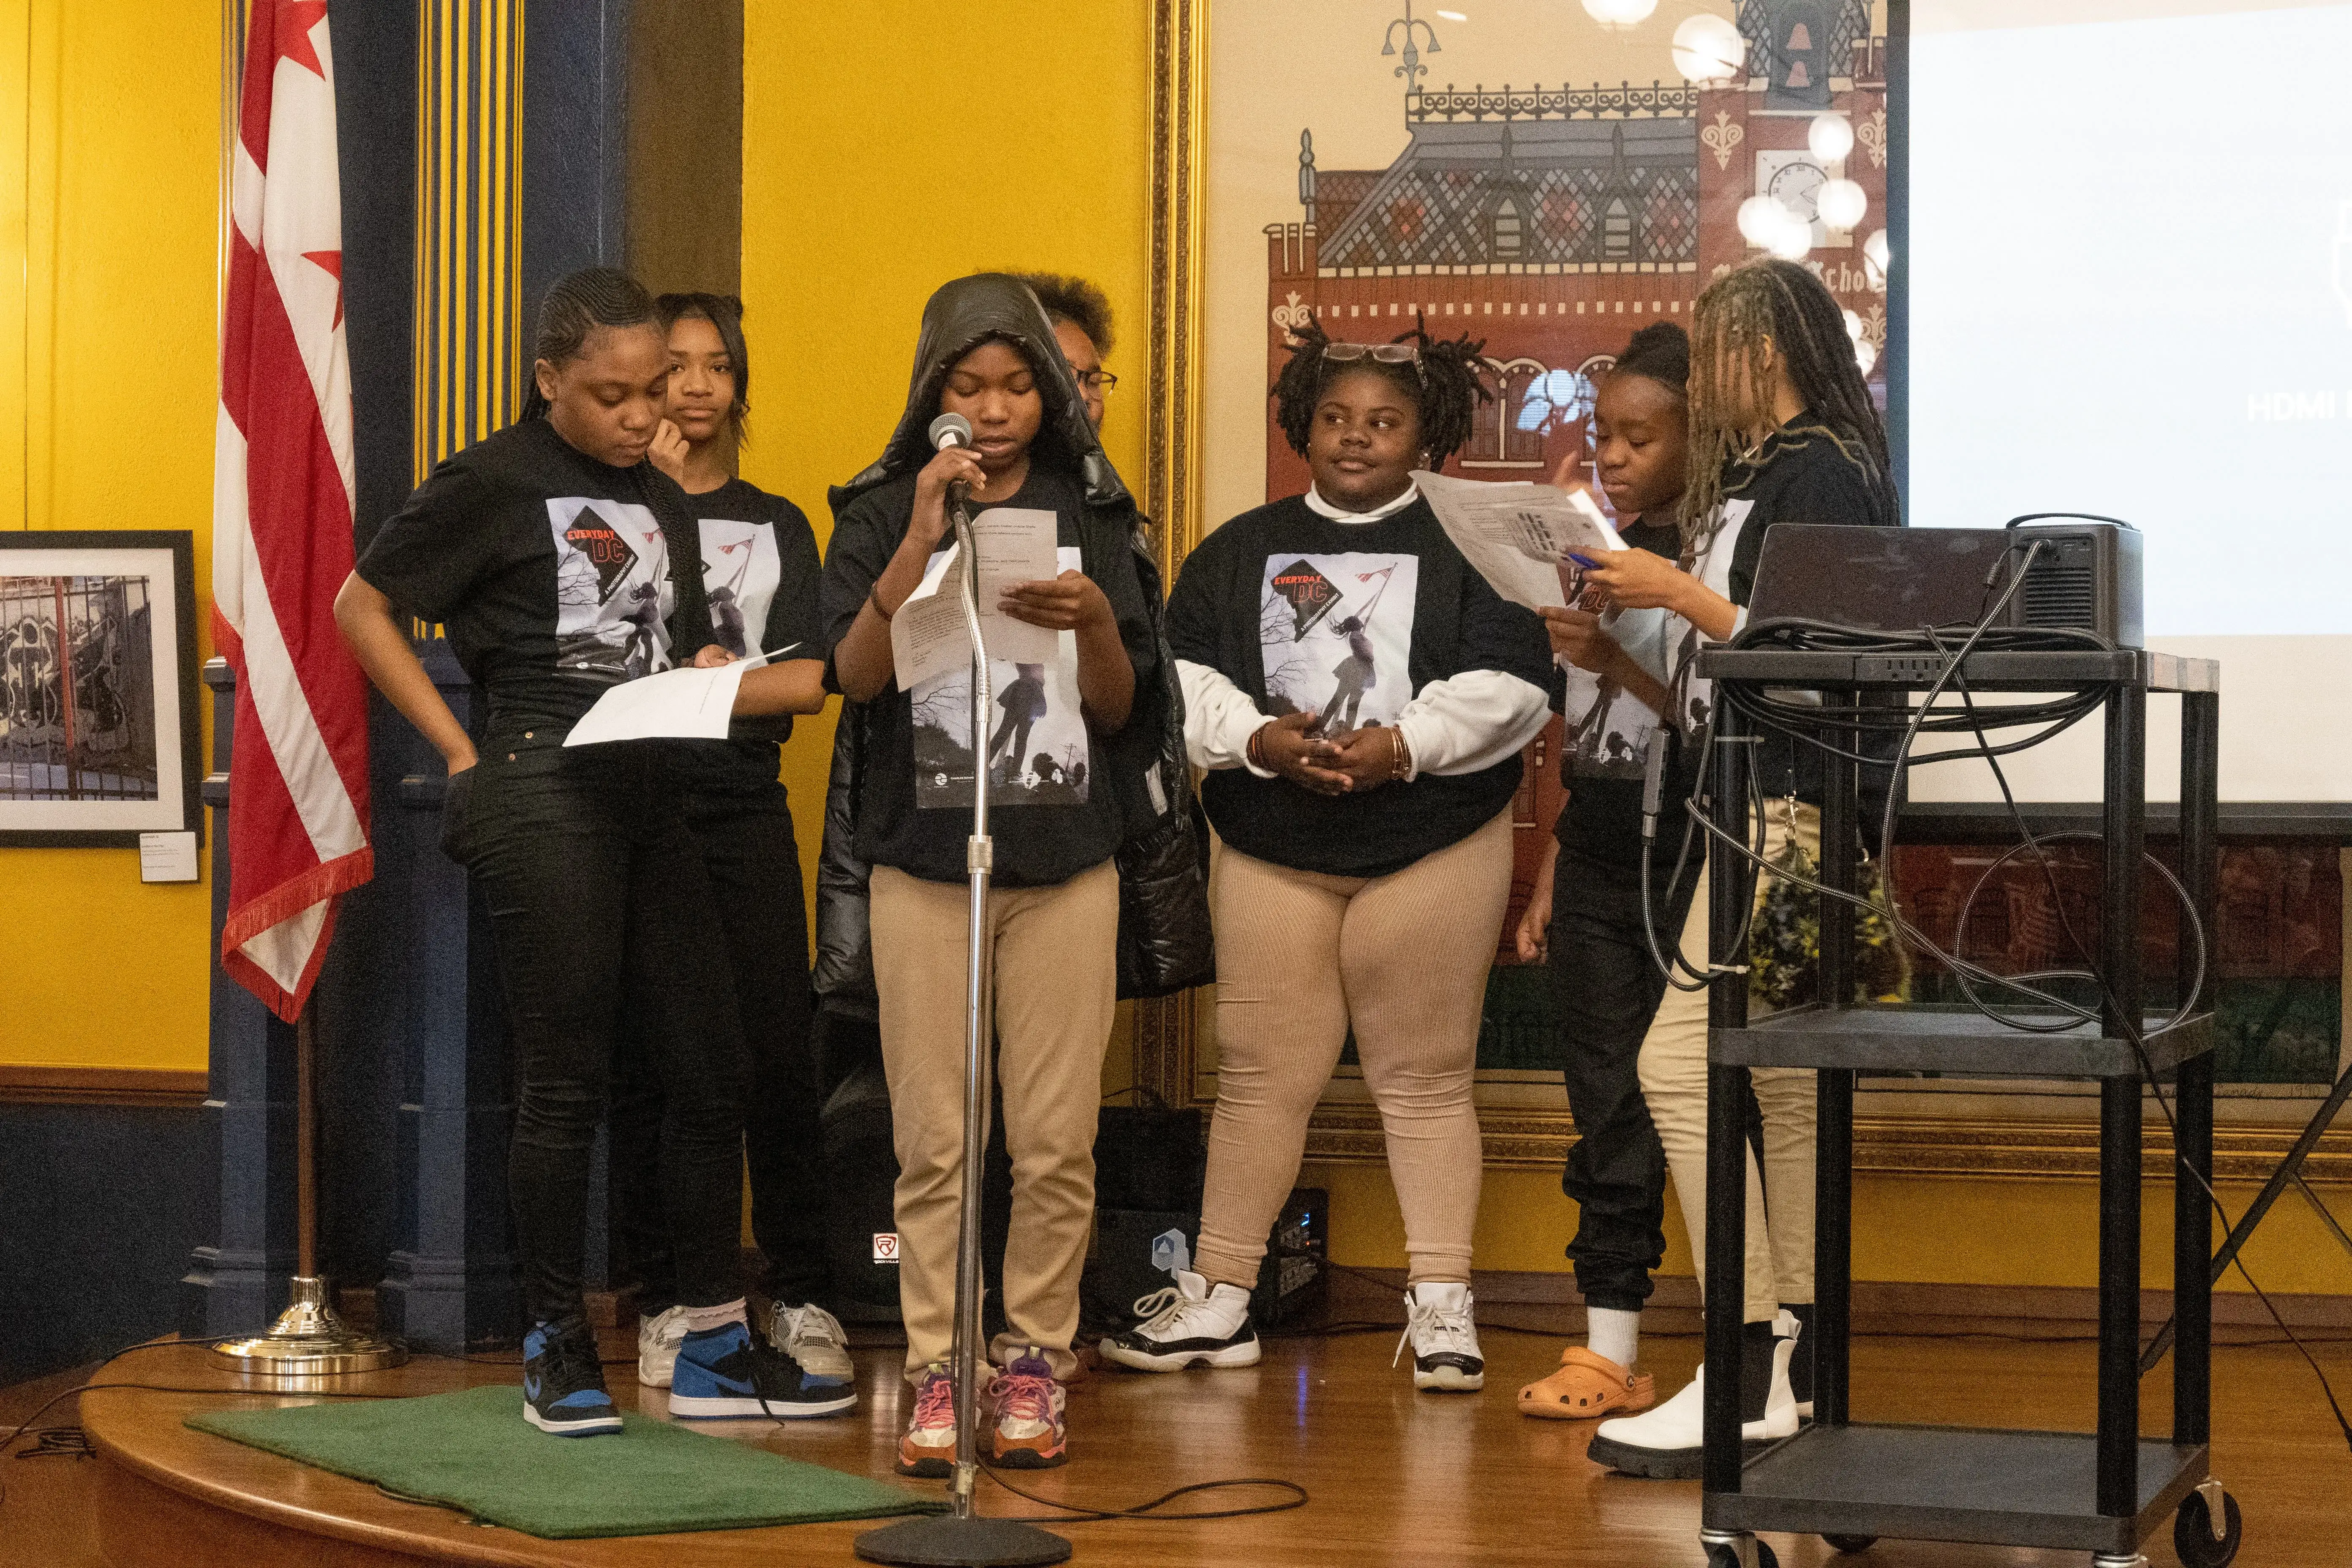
column 309, row 1339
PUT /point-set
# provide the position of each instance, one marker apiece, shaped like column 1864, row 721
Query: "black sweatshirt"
column 1350, row 620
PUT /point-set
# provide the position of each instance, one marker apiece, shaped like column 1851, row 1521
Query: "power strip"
column 1900, row 667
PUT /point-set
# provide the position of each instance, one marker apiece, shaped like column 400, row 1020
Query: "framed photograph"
column 98, row 736
column 1546, row 178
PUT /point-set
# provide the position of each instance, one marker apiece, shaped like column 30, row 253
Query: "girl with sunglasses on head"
column 759, row 571
column 1783, row 429
column 1364, row 869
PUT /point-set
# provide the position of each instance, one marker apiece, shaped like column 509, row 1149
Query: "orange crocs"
column 1587, row 1386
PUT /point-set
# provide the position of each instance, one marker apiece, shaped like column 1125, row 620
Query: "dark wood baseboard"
column 157, row 1087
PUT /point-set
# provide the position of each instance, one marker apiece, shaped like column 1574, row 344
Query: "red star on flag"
column 330, row 261
column 295, row 20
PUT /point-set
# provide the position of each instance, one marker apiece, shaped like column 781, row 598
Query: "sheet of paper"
column 1518, row 535
column 677, row 704
column 927, row 635
column 167, row 857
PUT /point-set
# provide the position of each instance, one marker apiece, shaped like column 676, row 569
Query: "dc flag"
column 298, row 817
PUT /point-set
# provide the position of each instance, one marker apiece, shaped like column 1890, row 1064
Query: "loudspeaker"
column 1134, row 1252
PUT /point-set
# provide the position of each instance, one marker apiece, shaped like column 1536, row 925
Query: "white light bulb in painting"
column 1792, row 239
column 1616, row 14
column 1708, row 48
column 1842, row 203
column 1853, row 326
column 1864, row 355
column 1831, row 137
column 1452, row 17
column 1874, row 257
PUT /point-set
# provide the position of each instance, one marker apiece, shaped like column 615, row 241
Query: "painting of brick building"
column 1554, row 222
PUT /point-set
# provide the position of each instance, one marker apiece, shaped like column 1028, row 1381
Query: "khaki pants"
column 1302, row 956
column 1674, row 1080
column 1055, row 966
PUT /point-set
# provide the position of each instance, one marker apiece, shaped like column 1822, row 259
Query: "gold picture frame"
column 2017, row 1130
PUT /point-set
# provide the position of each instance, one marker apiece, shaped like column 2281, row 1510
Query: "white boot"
column 1667, row 1443
column 1444, row 1339
column 1190, row 1325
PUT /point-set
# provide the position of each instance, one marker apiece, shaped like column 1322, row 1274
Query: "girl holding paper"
column 1362, row 876
column 987, row 351
column 759, row 570
column 535, row 550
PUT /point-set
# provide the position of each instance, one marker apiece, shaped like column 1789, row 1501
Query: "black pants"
column 590, row 875
column 1605, row 991
column 737, row 814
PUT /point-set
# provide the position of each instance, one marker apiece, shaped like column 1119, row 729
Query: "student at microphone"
column 1361, row 697
column 760, row 569
column 1058, row 813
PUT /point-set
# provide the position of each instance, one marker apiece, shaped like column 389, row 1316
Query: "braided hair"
column 1741, row 319
column 576, row 305
column 725, row 314
column 1446, row 387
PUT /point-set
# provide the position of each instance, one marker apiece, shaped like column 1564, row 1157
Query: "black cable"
column 1147, row 1512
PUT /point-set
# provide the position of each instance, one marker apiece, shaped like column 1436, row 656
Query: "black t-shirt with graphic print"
column 1049, row 814
column 1349, row 621
column 760, row 572
column 546, row 569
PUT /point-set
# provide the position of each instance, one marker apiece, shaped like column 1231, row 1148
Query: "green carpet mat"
column 473, row 1451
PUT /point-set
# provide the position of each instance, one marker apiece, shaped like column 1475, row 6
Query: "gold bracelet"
column 874, row 597
column 1400, row 754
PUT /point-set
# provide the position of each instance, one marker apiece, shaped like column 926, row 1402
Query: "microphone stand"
column 961, row 1538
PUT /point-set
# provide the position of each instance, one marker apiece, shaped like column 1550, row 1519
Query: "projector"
column 2087, row 577
column 1897, row 580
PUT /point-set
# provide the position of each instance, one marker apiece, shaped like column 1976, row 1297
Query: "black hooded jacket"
column 1051, row 828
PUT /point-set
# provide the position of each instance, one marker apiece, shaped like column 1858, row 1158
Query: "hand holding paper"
column 1517, row 535
column 688, row 704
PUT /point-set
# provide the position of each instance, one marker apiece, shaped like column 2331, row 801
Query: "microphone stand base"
column 308, row 1341
column 945, row 1540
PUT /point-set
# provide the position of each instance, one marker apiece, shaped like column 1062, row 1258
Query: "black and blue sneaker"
column 730, row 1372
column 563, row 1381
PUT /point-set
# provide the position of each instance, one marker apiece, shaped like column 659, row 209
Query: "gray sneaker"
column 812, row 1337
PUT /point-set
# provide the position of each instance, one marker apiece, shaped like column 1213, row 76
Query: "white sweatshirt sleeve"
column 1469, row 721
column 1219, row 719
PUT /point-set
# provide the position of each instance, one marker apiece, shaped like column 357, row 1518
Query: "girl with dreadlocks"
column 536, row 549
column 1781, row 430
column 1364, row 871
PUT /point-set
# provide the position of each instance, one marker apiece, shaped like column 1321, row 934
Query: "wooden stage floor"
column 1395, row 1478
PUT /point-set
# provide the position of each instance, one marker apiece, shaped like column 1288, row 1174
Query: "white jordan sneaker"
column 658, row 1338
column 812, row 1337
column 1667, row 1443
column 1189, row 1324
column 1444, row 1340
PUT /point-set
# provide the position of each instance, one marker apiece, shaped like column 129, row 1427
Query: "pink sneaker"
column 1029, row 1433
column 929, row 1448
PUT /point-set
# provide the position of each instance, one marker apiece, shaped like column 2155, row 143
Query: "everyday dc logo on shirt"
column 613, row 592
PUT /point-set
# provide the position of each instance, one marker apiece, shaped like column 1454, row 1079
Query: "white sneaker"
column 658, row 1338
column 1444, row 1338
column 1190, row 1324
column 812, row 1337
column 1668, row 1443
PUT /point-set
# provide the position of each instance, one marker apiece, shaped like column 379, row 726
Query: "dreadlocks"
column 1740, row 320
column 1447, row 385
column 576, row 305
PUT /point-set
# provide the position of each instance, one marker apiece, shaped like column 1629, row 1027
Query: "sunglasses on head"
column 1387, row 353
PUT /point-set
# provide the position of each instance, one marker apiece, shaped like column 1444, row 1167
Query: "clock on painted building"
column 1797, row 185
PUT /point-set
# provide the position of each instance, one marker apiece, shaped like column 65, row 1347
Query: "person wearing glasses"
column 1080, row 312
column 1363, row 871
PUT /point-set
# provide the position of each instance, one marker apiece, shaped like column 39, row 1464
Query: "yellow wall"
column 884, row 152
column 119, row 209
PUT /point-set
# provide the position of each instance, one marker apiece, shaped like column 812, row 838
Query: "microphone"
column 950, row 431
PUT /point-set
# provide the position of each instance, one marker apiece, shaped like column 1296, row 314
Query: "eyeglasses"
column 1095, row 380
column 1387, row 353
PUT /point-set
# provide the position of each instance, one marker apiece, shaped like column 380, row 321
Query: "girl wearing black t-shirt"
column 1584, row 918
column 1364, row 872
column 759, row 571
column 548, row 554
column 1091, row 724
column 1782, row 430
